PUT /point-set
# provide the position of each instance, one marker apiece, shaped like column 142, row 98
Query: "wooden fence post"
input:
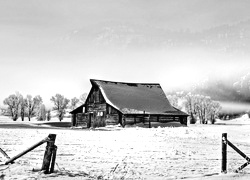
column 224, row 153
column 48, row 153
column 53, row 159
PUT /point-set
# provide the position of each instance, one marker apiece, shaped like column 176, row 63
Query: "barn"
column 113, row 103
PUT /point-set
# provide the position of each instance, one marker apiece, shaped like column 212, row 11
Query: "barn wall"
column 81, row 119
column 141, row 118
column 112, row 116
column 133, row 119
column 112, row 119
column 168, row 118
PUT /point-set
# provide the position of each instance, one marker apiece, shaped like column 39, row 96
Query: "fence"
column 49, row 155
column 226, row 142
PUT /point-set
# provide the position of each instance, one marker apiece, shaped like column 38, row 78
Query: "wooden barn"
column 112, row 103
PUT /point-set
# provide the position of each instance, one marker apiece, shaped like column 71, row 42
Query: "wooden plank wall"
column 168, row 118
column 81, row 119
column 96, row 107
column 112, row 119
column 133, row 119
column 130, row 119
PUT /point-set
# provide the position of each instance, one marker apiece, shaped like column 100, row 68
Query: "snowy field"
column 192, row 152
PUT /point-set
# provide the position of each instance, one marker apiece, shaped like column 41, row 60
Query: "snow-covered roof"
column 135, row 98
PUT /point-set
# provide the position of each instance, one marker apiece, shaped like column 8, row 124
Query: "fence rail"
column 49, row 155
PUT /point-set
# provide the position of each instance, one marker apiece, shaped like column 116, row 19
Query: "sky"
column 49, row 47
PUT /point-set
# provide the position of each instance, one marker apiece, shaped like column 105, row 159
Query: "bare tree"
column 173, row 100
column 214, row 111
column 33, row 105
column 190, row 103
column 41, row 113
column 74, row 102
column 83, row 98
column 60, row 105
column 48, row 115
column 202, row 107
column 13, row 103
column 23, row 106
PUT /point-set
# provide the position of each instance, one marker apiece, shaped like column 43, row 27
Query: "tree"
column 202, row 107
column 189, row 104
column 23, row 106
column 48, row 115
column 74, row 102
column 83, row 98
column 214, row 111
column 41, row 113
column 13, row 103
column 173, row 100
column 33, row 105
column 60, row 105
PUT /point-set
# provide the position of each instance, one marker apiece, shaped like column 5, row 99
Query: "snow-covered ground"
column 192, row 152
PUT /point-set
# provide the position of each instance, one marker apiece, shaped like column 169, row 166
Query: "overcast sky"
column 49, row 47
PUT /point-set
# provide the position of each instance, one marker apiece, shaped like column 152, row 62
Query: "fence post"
column 224, row 153
column 48, row 153
column 53, row 159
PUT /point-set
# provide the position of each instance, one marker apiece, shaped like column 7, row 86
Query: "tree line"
column 199, row 107
column 28, row 106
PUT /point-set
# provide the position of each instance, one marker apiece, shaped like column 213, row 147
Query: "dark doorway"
column 73, row 119
column 90, row 119
column 120, row 118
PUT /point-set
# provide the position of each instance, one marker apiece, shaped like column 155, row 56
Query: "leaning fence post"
column 224, row 153
column 48, row 153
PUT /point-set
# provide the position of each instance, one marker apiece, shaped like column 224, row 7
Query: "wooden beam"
column 4, row 153
column 11, row 160
column 238, row 151
column 242, row 167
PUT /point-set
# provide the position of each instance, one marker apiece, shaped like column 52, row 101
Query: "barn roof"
column 134, row 98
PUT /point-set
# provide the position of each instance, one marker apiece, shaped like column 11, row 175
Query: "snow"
column 128, row 153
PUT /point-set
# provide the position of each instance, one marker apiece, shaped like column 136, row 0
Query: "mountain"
column 227, row 38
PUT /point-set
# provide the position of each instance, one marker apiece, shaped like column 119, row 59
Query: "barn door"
column 90, row 119
column 120, row 118
column 73, row 120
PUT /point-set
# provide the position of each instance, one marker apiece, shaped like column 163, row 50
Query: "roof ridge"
column 92, row 80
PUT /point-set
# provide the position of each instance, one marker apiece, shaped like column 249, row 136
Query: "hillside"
column 227, row 38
